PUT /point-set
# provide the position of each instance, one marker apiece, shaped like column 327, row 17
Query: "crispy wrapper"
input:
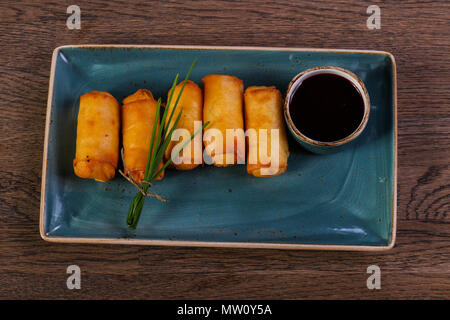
column 191, row 103
column 97, row 145
column 138, row 116
column 223, row 107
column 263, row 110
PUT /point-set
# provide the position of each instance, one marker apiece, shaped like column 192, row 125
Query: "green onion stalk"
column 158, row 144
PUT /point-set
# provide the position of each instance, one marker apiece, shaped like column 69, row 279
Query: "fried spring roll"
column 97, row 146
column 223, row 108
column 191, row 103
column 263, row 110
column 138, row 116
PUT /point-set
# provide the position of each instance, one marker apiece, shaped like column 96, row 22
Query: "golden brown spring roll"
column 138, row 116
column 263, row 110
column 191, row 102
column 97, row 146
column 223, row 108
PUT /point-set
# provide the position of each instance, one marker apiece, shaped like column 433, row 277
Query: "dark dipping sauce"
column 326, row 107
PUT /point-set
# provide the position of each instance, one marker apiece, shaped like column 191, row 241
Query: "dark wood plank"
column 415, row 32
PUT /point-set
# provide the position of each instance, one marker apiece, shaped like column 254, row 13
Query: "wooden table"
column 416, row 33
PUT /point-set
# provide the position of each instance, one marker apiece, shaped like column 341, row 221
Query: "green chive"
column 159, row 143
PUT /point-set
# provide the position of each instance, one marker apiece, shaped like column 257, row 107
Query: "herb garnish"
column 159, row 142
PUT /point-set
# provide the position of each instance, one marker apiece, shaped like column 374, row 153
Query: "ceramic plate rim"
column 264, row 245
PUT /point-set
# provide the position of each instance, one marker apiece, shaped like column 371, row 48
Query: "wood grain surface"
column 416, row 32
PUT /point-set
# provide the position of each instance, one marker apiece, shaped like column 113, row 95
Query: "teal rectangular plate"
column 342, row 201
